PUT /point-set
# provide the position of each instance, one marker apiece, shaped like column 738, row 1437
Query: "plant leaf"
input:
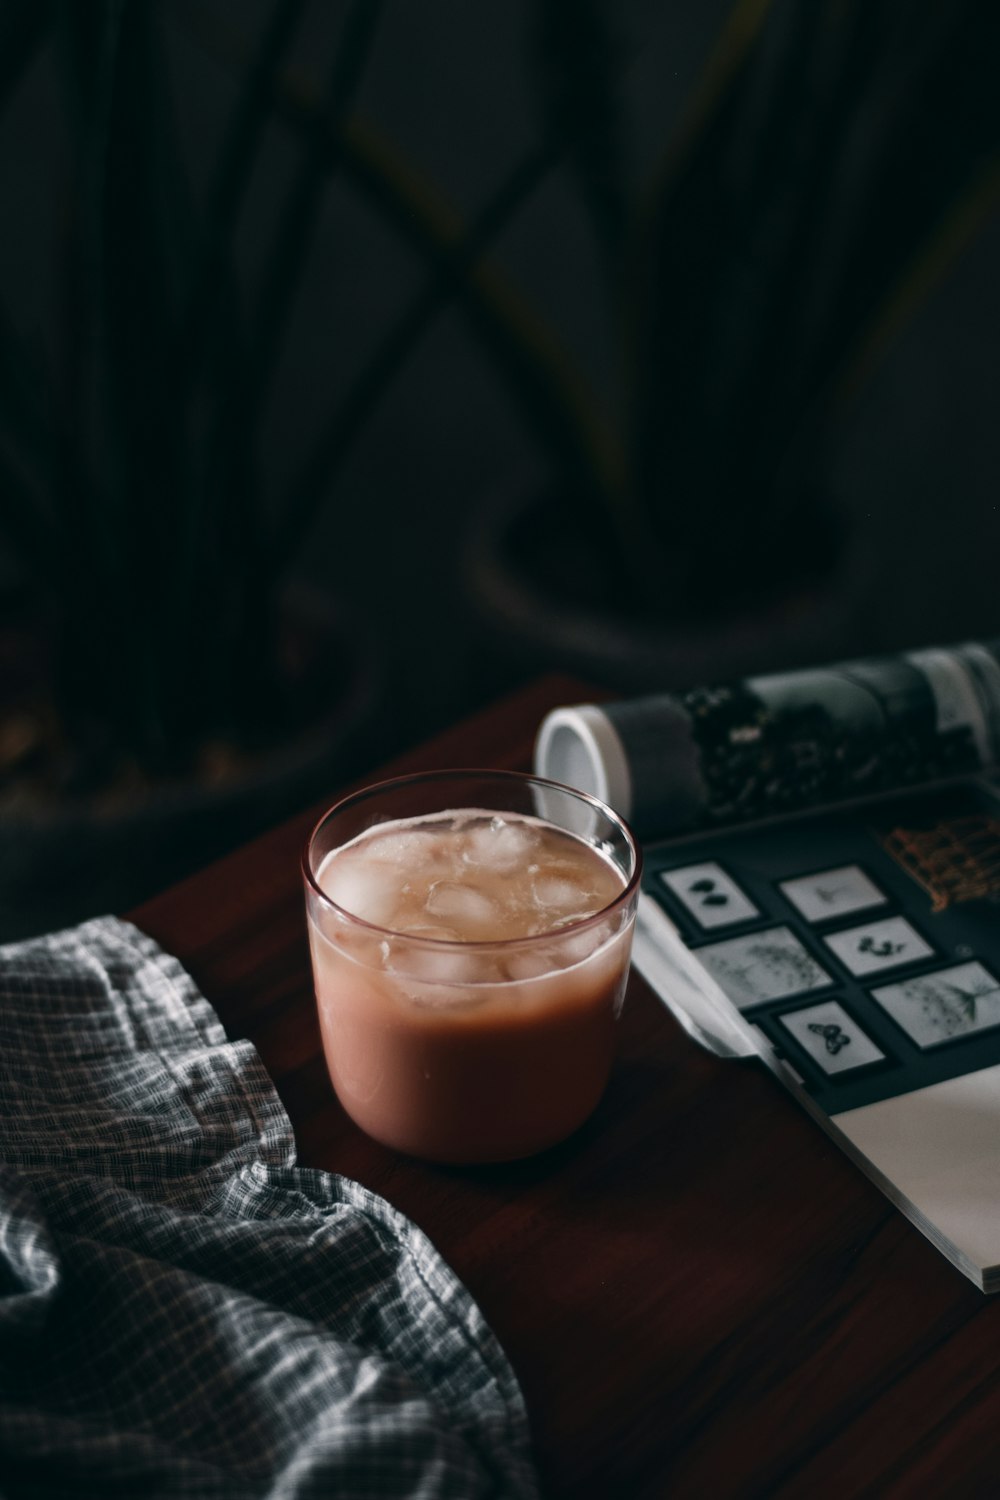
column 683, row 244
column 925, row 271
column 240, row 414
column 297, row 222
column 577, row 60
column 348, row 423
column 23, row 397
column 35, row 540
column 542, row 381
column 930, row 178
column 211, row 296
column 88, row 40
column 23, row 29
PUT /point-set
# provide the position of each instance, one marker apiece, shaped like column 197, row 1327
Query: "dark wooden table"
column 699, row 1293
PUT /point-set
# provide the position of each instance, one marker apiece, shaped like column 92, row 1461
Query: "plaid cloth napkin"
column 183, row 1311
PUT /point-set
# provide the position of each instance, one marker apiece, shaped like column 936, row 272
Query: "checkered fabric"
column 183, row 1311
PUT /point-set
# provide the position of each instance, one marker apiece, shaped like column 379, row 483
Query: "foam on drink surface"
column 470, row 876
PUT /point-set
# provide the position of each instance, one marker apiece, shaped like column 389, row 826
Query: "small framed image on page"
column 944, row 1006
column 832, row 893
column 709, row 895
column 873, row 946
column 762, row 966
column 831, row 1037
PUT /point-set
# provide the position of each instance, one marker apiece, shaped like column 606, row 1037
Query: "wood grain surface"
column 699, row 1293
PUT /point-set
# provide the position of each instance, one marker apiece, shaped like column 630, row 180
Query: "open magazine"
column 822, row 890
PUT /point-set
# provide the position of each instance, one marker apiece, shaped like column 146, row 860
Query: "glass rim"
column 469, row 773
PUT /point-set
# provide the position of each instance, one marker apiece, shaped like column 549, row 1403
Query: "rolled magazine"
column 780, row 743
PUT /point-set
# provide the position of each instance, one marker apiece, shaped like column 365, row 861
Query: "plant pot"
column 62, row 863
column 546, row 608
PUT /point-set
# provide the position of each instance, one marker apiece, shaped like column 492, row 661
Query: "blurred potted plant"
column 833, row 160
column 160, row 693
column 817, row 187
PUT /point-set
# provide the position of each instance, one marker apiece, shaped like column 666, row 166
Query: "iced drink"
column 470, row 963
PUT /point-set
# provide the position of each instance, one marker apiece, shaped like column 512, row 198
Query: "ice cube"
column 404, row 846
column 362, row 889
column 576, row 946
column 431, row 965
column 430, row 930
column 451, row 997
column 529, row 963
column 444, row 975
column 555, row 894
column 463, row 906
column 498, row 845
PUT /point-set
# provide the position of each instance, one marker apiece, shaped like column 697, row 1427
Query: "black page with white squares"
column 824, row 939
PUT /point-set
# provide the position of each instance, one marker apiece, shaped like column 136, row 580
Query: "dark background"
column 909, row 471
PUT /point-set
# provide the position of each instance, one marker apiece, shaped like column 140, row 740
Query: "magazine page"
column 857, row 951
column 805, row 907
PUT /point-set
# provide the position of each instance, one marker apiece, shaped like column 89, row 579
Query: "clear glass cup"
column 470, row 1050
